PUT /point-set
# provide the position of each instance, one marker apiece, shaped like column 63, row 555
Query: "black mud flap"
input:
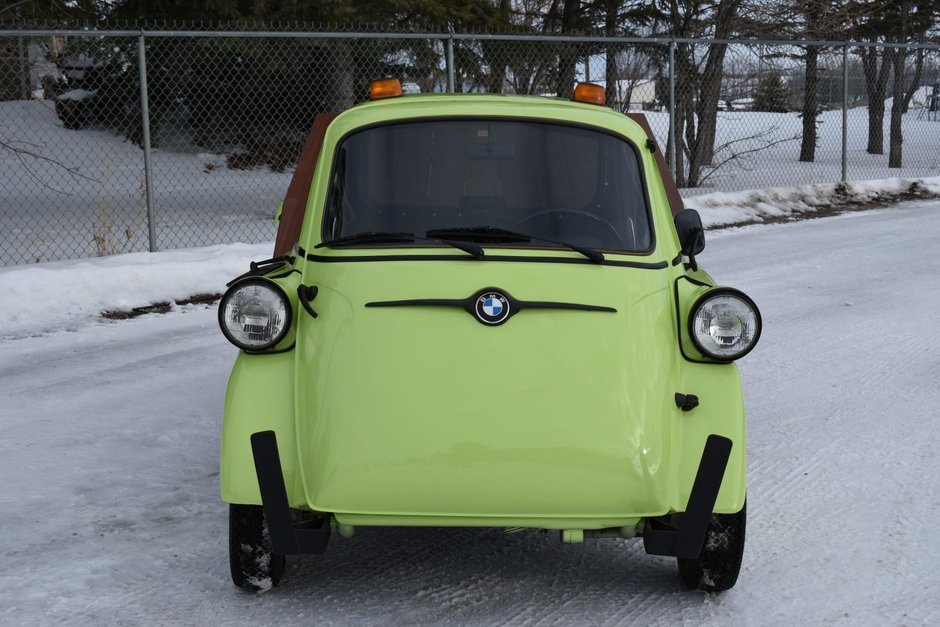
column 287, row 537
column 660, row 538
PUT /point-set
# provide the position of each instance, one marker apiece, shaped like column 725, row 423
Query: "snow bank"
column 722, row 209
column 57, row 295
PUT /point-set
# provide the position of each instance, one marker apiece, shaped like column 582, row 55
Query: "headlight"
column 725, row 324
column 254, row 314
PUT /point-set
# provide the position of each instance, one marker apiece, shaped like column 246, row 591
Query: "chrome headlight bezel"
column 703, row 300
column 277, row 292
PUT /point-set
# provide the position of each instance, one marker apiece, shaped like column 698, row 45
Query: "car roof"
column 489, row 105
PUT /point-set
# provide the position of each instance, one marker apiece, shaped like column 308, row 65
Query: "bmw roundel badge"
column 492, row 308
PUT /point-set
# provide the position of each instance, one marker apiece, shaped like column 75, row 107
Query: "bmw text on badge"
column 492, row 308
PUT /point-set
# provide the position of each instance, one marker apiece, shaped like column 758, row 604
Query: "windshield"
column 551, row 181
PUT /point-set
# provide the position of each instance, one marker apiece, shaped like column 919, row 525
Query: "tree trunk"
column 341, row 96
column 679, row 167
column 915, row 81
column 897, row 109
column 902, row 99
column 496, row 57
column 810, row 103
column 564, row 85
column 689, row 141
column 496, row 61
column 703, row 152
column 697, row 93
column 683, row 117
column 610, row 73
column 876, row 115
column 702, row 149
column 568, row 58
column 686, row 76
column 876, row 84
column 23, row 56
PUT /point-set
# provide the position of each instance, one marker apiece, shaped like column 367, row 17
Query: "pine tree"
column 771, row 95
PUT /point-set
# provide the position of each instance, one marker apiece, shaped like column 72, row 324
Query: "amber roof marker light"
column 385, row 88
column 589, row 93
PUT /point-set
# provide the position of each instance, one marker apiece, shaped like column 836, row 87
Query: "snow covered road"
column 109, row 507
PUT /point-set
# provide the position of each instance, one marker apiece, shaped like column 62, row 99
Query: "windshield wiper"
column 497, row 234
column 379, row 237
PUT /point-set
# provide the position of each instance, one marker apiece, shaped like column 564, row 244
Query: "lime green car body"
column 557, row 419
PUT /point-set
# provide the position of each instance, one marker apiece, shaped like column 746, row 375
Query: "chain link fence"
column 121, row 141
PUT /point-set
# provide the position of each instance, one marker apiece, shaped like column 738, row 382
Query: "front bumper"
column 288, row 536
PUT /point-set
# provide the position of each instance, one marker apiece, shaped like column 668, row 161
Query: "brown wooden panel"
column 295, row 202
column 669, row 183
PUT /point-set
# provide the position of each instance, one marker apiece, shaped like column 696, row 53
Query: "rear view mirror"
column 690, row 230
column 691, row 234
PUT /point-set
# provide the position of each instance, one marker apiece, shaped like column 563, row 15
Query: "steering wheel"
column 573, row 212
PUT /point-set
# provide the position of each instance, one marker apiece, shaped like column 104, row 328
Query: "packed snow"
column 64, row 294
column 110, row 500
column 722, row 209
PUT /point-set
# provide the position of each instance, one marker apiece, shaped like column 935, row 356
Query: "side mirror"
column 691, row 234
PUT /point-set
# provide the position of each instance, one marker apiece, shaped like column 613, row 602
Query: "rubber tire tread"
column 717, row 567
column 250, row 558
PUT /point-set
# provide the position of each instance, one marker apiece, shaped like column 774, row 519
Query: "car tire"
column 254, row 567
column 719, row 563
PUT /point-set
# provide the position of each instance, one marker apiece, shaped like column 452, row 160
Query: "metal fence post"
column 145, row 140
column 845, row 111
column 450, row 64
column 672, row 109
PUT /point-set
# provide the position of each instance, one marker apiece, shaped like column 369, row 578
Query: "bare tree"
column 901, row 99
column 901, row 21
column 611, row 72
column 807, row 20
column 622, row 17
column 564, row 16
column 915, row 18
column 27, row 153
column 496, row 54
column 742, row 150
column 811, row 10
column 876, row 85
column 634, row 67
column 700, row 76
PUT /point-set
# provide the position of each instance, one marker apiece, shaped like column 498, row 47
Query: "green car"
column 485, row 311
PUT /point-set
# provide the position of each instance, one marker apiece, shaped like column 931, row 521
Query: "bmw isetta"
column 485, row 311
